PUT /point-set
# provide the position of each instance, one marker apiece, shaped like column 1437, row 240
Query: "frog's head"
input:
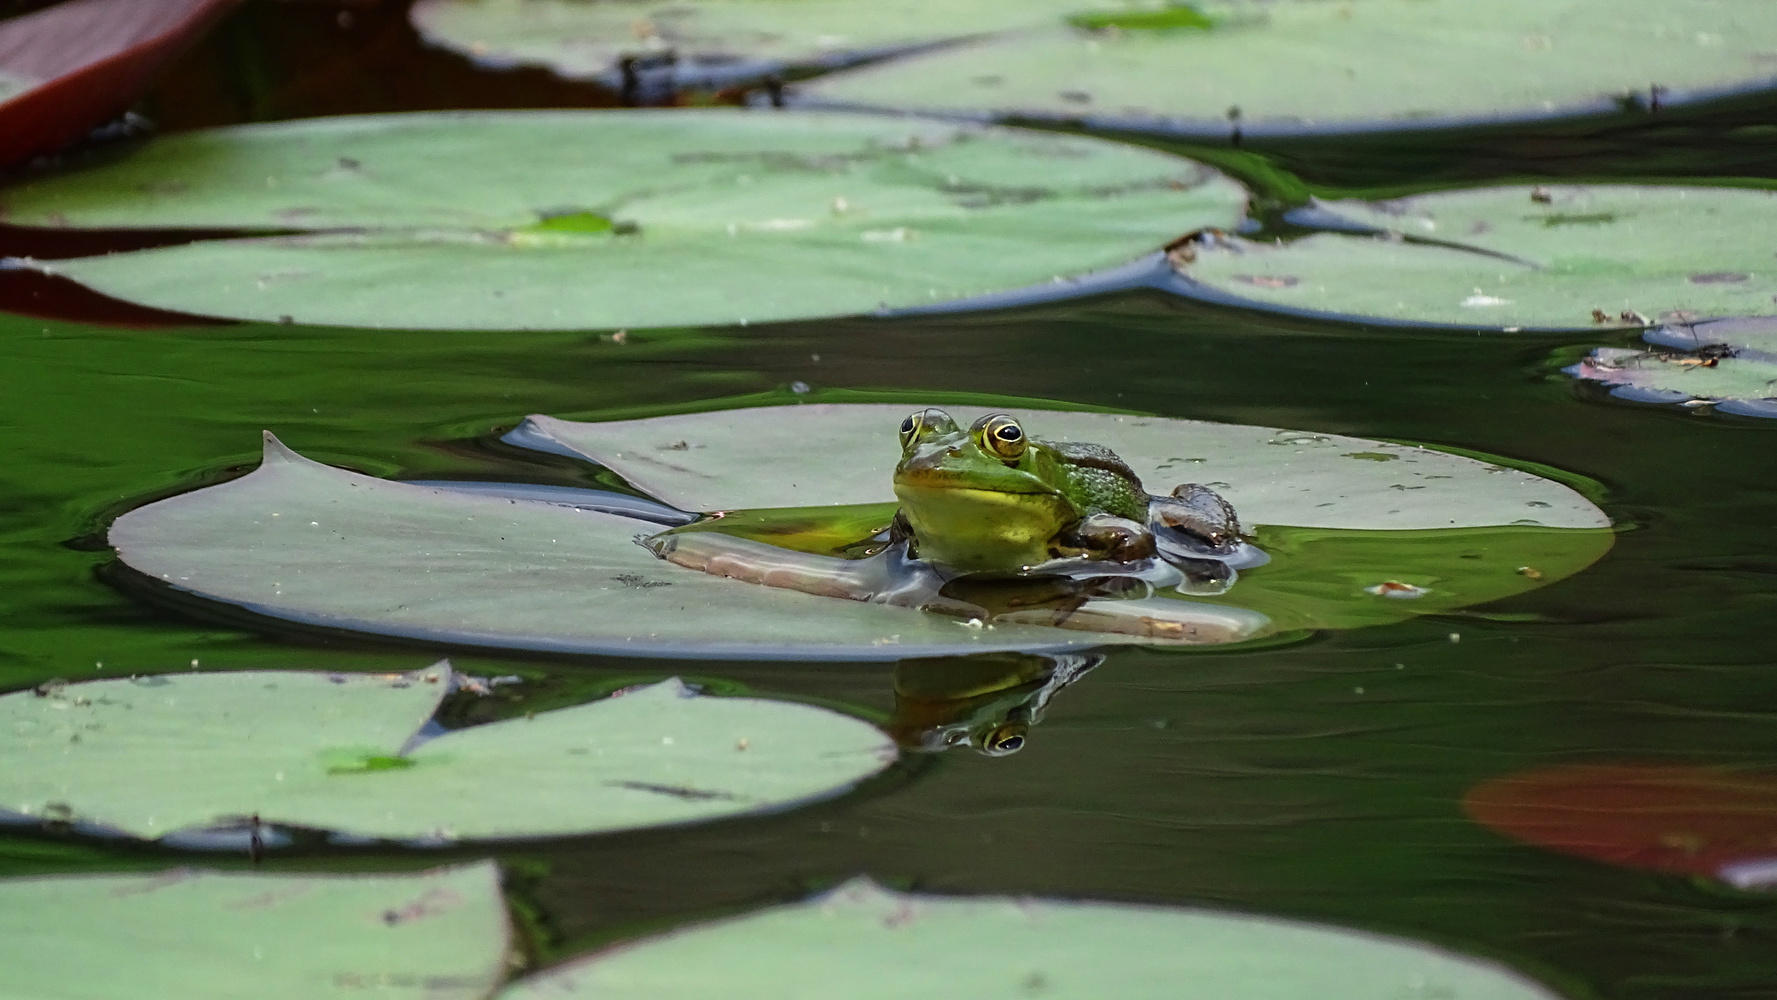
column 987, row 499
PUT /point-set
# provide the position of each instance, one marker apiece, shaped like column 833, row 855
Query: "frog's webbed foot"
column 1197, row 530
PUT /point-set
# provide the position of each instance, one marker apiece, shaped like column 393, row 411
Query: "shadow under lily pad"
column 174, row 757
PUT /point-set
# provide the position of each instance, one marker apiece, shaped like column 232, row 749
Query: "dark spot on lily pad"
column 1566, row 219
column 1075, row 96
column 1269, row 281
column 676, row 791
column 1719, row 278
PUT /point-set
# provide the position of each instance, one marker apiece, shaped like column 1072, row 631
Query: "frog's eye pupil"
column 1010, row 743
column 907, row 426
column 1009, row 432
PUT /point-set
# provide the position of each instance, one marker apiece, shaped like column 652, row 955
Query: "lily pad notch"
column 234, row 760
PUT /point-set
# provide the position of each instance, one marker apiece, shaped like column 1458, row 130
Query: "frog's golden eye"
column 1003, row 740
column 1001, row 436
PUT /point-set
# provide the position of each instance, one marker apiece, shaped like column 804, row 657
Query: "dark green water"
column 1260, row 780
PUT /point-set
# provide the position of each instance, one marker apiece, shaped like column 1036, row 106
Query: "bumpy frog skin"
column 993, row 526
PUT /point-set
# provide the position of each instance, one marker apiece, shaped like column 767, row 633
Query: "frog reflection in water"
column 994, row 527
column 988, row 701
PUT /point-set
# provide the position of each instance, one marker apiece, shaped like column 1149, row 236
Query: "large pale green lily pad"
column 576, row 220
column 193, row 935
column 1301, row 66
column 843, row 453
column 159, row 756
column 582, row 40
column 1514, row 258
column 866, row 942
column 304, row 542
column 1730, row 363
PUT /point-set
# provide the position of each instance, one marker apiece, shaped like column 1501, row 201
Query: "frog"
column 993, row 526
column 995, row 501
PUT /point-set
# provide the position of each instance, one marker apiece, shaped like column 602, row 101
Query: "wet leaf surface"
column 864, row 941
column 171, row 756
column 573, row 220
column 200, row 935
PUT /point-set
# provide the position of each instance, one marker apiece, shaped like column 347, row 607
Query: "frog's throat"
column 977, row 530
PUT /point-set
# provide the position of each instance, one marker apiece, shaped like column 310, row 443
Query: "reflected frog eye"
column 1000, row 435
column 1003, row 740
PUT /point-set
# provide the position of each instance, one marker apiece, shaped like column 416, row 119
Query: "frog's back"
column 1101, row 482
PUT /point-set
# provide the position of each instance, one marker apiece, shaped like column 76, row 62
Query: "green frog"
column 992, row 500
column 993, row 526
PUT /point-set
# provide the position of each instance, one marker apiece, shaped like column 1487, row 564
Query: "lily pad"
column 1512, row 258
column 162, row 757
column 70, row 68
column 304, row 542
column 867, row 942
column 577, row 220
column 1731, row 363
column 1296, row 66
column 195, row 935
column 721, row 41
column 843, row 453
column 1686, row 820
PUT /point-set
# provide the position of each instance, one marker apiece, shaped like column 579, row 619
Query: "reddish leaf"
column 89, row 60
column 1689, row 820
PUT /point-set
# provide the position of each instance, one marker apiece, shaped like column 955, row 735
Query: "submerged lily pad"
column 1731, row 363
column 304, row 542
column 577, row 220
column 1687, row 820
column 162, row 757
column 1511, row 258
column 1302, row 66
column 193, row 935
column 866, row 942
